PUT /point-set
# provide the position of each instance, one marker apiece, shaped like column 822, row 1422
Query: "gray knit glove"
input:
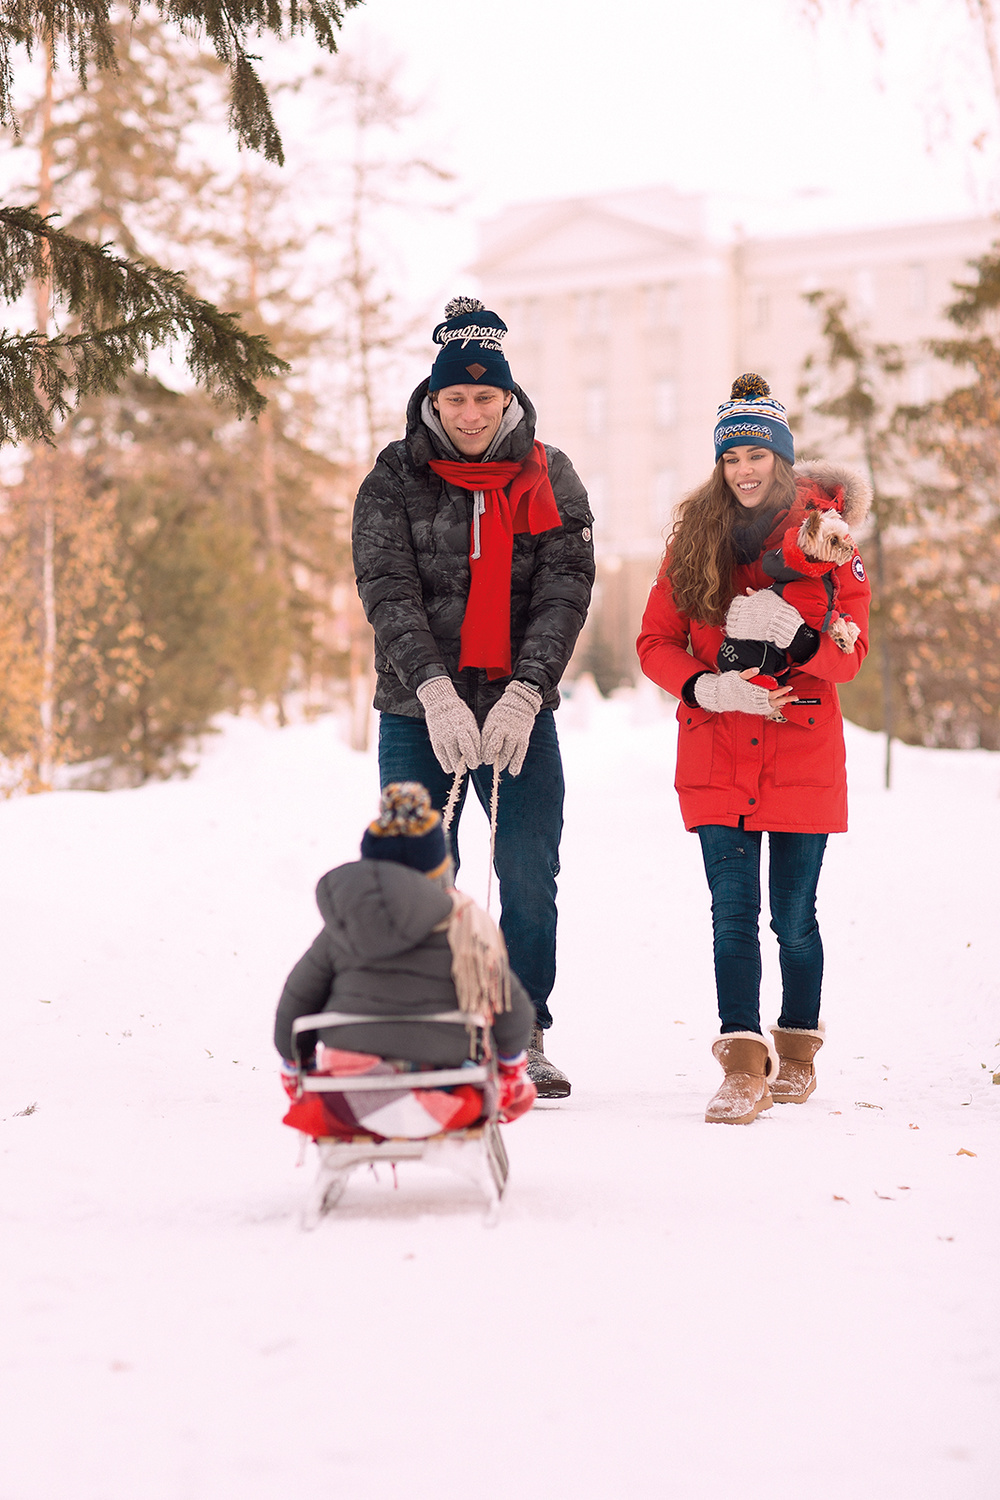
column 508, row 727
column 763, row 616
column 451, row 724
column 728, row 692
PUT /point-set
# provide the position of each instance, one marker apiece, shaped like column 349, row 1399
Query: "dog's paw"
column 844, row 633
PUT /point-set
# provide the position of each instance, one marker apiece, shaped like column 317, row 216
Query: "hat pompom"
column 749, row 387
column 407, row 831
column 405, row 810
column 459, row 305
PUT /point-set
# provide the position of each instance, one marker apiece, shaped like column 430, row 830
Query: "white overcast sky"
column 786, row 124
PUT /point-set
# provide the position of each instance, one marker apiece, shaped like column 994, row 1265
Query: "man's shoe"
column 548, row 1080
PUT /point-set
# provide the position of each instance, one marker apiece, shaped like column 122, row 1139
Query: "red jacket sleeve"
column 853, row 600
column 663, row 642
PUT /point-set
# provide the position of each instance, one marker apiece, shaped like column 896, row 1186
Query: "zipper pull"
column 478, row 509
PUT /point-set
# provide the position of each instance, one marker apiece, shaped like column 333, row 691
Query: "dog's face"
column 824, row 536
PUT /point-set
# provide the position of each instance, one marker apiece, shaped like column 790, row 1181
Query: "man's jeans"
column 529, row 826
column 732, row 864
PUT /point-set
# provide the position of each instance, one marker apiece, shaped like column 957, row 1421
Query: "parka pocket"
column 695, row 746
column 809, row 748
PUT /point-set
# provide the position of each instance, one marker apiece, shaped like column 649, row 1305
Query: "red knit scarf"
column 529, row 506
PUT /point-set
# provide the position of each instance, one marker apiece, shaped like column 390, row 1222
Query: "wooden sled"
column 475, row 1153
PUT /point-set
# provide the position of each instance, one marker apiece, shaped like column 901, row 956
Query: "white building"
column 628, row 322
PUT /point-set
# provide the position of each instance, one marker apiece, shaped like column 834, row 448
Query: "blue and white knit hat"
column 752, row 416
column 408, row 830
column 472, row 353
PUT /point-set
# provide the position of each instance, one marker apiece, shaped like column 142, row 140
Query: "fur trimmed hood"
column 830, row 476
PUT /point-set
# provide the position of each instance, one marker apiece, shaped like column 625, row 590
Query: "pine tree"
column 96, row 654
column 861, row 410
column 125, row 308
column 200, row 617
column 953, row 670
column 220, row 629
column 84, row 30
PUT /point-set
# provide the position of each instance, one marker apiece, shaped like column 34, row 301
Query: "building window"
column 528, row 328
column 595, row 410
column 591, row 314
column 916, row 280
column 600, row 314
column 919, row 383
column 664, row 403
column 597, row 494
column 662, row 305
column 663, row 494
column 864, row 291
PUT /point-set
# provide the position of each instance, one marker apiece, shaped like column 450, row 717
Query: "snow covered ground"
column 666, row 1311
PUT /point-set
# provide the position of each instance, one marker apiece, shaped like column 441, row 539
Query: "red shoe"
column 517, row 1092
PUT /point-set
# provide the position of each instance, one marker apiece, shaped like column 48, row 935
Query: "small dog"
column 803, row 570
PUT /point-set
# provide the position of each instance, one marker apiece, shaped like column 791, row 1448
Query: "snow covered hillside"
column 667, row 1310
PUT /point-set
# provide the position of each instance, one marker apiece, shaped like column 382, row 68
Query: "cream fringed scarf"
column 479, row 965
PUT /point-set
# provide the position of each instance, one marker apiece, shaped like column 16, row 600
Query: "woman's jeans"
column 732, row 864
column 529, row 826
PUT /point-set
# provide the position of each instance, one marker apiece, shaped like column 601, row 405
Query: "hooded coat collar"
column 424, row 444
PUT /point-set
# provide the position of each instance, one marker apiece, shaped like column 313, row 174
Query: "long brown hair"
column 700, row 560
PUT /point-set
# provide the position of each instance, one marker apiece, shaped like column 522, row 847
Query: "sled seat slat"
column 363, row 1083
column 328, row 1018
column 328, row 1083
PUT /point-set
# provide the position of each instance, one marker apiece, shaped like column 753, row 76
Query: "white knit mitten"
column 451, row 725
column 508, row 727
column 763, row 616
column 728, row 692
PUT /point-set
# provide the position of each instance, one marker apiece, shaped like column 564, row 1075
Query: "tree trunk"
column 43, row 300
column 885, row 657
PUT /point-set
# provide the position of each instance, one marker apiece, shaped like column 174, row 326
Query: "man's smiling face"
column 471, row 415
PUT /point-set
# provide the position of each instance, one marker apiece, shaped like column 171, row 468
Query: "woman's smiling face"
column 749, row 473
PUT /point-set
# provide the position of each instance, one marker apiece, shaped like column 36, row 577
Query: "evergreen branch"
column 978, row 297
column 84, row 28
column 125, row 309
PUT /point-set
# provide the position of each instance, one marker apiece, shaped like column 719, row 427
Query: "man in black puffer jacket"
column 473, row 548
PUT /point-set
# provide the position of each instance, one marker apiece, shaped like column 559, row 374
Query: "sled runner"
column 475, row 1153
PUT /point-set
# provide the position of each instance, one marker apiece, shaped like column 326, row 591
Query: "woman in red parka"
column 754, row 758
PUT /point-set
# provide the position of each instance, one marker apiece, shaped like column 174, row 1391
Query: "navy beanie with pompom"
column 472, row 347
column 752, row 416
column 407, row 830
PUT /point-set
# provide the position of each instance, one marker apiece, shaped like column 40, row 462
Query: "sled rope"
column 450, row 805
column 494, row 803
column 449, row 814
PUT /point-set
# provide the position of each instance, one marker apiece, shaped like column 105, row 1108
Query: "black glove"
column 763, row 656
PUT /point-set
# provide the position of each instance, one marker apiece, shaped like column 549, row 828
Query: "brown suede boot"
column 747, row 1062
column 796, row 1076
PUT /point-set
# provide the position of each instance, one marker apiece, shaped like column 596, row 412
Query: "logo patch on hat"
column 476, row 370
column 858, row 567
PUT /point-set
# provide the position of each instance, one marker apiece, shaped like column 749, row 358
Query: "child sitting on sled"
column 398, row 939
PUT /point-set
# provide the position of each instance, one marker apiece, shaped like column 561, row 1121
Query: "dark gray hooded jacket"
column 379, row 955
column 411, row 556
